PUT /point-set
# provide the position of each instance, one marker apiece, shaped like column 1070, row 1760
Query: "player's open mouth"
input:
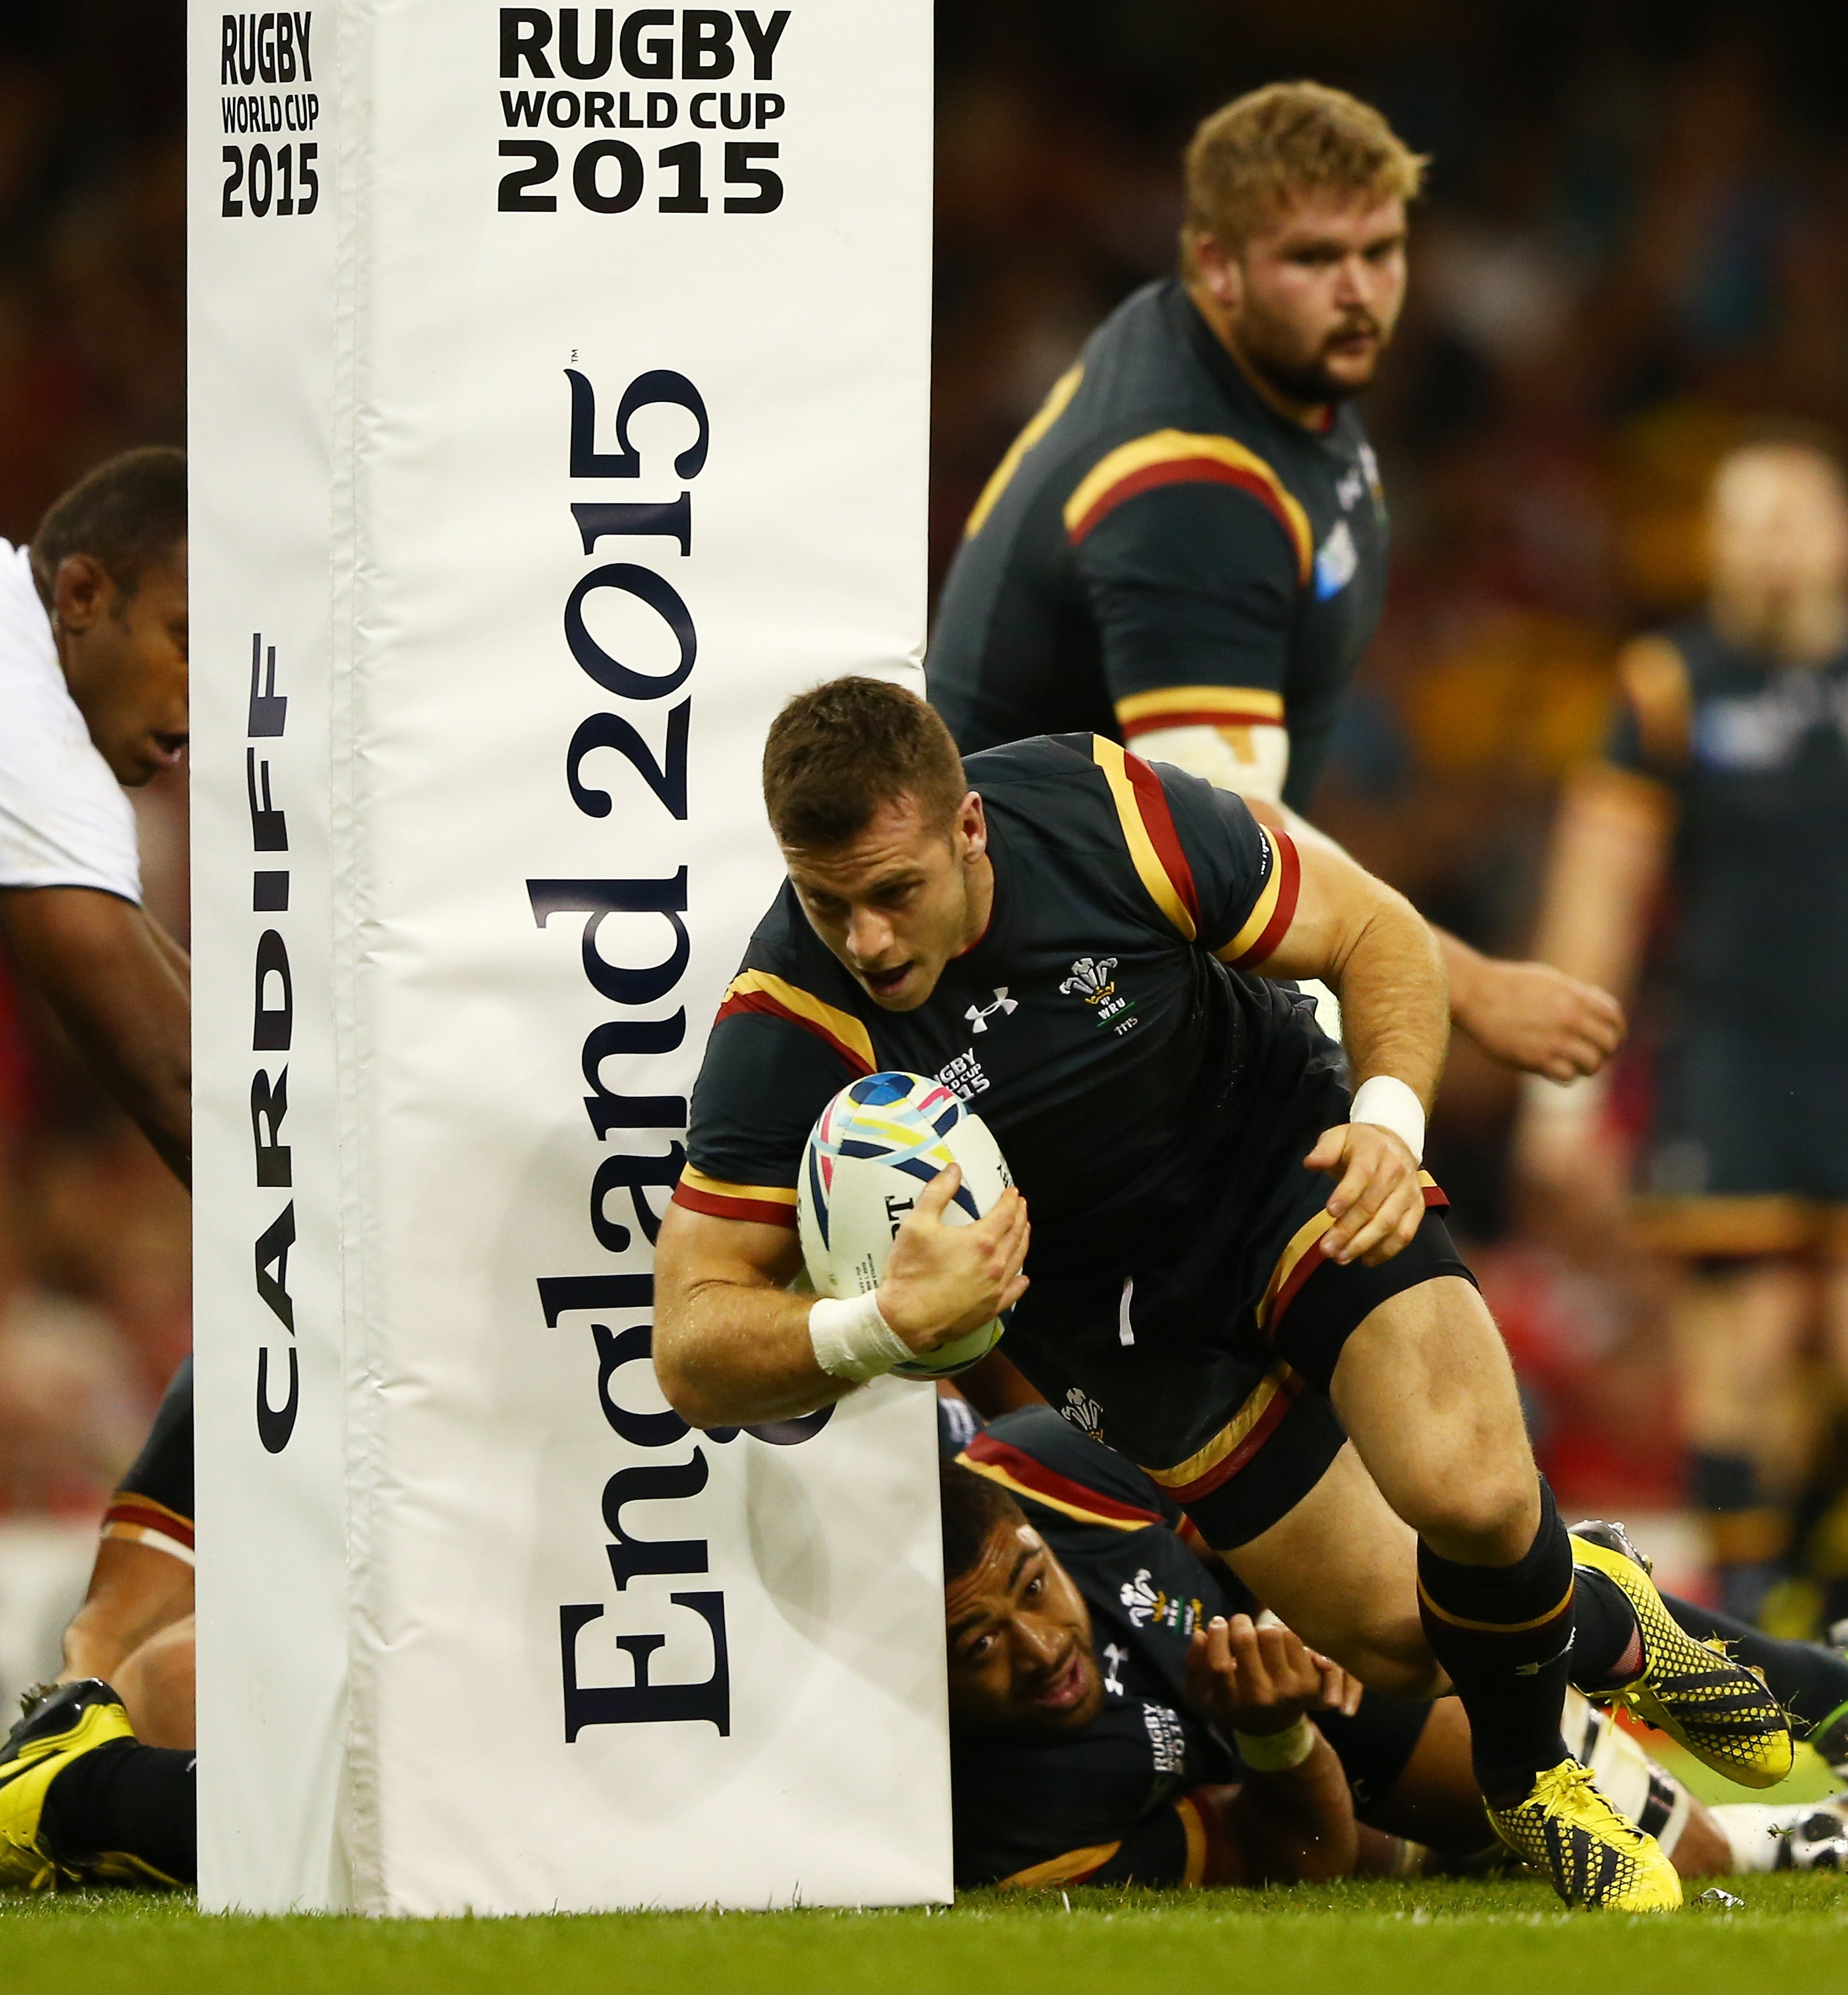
column 1067, row 1688
column 881, row 983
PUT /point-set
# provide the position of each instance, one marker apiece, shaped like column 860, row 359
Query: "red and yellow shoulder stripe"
column 773, row 996
column 1047, row 413
column 1274, row 909
column 1198, row 706
column 1148, row 829
column 1182, row 457
column 1023, row 1474
column 776, row 997
column 766, row 1205
column 140, row 1520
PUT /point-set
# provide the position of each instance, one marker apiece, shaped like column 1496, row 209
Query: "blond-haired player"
column 1186, row 548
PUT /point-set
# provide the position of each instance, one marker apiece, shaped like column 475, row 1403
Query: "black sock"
column 1810, row 1681
column 1604, row 1629
column 1504, row 1633
column 136, row 1799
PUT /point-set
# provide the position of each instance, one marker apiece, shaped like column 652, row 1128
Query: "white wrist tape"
column 1274, row 1752
column 1390, row 1104
column 852, row 1341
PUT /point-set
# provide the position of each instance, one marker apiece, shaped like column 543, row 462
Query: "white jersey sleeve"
column 64, row 819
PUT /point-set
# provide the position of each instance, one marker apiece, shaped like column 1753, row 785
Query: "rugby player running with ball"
column 1071, row 934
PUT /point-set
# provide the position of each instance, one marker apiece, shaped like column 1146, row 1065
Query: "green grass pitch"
column 1426, row 1938
column 1447, row 1938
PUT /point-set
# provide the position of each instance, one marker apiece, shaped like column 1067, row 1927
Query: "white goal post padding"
column 558, row 390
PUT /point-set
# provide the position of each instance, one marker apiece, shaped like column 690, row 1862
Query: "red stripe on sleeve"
column 1033, row 1473
column 1158, row 821
column 760, row 1210
column 1150, row 723
column 762, row 1001
column 1289, row 885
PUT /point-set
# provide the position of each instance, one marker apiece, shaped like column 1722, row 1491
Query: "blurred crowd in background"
column 1633, row 245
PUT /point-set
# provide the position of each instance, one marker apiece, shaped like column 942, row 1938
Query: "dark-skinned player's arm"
column 1376, row 951
column 120, row 987
column 1291, row 1820
column 732, row 1346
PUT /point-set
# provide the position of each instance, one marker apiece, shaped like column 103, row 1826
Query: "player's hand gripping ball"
column 876, row 1146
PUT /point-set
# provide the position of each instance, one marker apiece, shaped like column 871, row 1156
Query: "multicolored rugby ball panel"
column 875, row 1146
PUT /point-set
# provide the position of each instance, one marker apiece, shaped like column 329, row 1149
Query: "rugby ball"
column 876, row 1146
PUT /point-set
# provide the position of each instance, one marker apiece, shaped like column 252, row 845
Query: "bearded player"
column 1185, row 550
column 1312, row 1377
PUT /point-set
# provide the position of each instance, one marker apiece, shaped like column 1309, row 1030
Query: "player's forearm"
column 1395, row 1005
column 97, row 961
column 727, row 1355
column 1296, row 1825
column 1610, row 847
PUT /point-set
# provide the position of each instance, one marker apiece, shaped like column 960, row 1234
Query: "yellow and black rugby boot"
column 74, row 1720
column 1695, row 1691
column 1566, row 1830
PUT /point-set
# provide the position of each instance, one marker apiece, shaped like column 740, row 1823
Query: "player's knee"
column 1486, row 1518
column 156, row 1686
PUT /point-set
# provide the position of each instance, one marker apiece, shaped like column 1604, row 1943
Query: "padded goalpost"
column 558, row 393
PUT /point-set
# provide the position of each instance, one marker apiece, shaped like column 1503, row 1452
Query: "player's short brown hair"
column 837, row 755
column 972, row 1510
column 128, row 513
column 1287, row 139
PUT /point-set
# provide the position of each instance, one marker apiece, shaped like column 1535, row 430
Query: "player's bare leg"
column 1424, row 1387
column 1739, row 1336
column 156, row 1685
column 135, row 1591
column 1342, row 1570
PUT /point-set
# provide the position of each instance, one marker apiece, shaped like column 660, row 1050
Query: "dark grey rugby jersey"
column 1100, row 1026
column 1105, row 1805
column 1756, row 758
column 1160, row 548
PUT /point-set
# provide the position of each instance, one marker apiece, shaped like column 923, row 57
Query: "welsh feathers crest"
column 1091, row 979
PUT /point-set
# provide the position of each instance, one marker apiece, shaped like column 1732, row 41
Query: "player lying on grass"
column 1089, row 1718
column 93, row 697
column 1069, row 937
column 1100, row 1667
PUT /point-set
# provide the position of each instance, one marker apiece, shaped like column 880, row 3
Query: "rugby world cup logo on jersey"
column 1091, row 979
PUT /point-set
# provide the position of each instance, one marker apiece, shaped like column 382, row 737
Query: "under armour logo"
column 1115, row 1657
column 979, row 1014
